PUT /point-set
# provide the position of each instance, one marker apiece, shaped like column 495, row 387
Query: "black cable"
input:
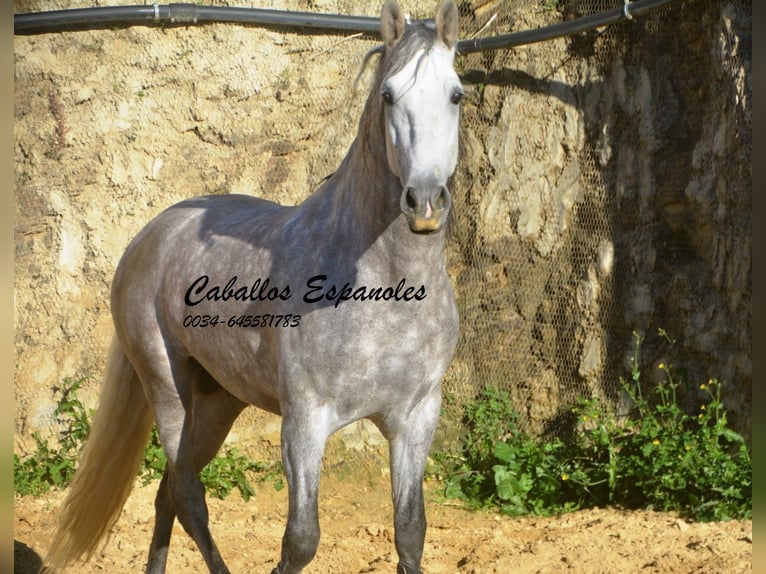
column 569, row 28
column 186, row 14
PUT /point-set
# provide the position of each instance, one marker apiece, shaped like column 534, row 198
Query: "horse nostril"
column 442, row 201
column 410, row 199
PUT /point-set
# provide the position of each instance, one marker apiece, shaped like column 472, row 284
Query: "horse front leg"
column 304, row 434
column 409, row 446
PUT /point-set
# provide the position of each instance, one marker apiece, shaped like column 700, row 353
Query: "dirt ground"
column 357, row 536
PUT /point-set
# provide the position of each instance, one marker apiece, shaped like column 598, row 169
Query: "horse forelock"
column 418, row 37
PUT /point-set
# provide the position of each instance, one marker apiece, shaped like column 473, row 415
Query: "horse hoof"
column 401, row 569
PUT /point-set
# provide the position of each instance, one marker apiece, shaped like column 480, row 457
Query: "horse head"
column 421, row 95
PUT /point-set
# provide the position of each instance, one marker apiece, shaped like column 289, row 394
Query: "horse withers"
column 327, row 312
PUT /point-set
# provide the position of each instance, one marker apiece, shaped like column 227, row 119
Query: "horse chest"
column 371, row 350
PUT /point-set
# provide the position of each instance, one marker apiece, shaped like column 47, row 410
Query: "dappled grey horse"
column 328, row 312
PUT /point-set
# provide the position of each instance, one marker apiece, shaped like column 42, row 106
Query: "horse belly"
column 240, row 358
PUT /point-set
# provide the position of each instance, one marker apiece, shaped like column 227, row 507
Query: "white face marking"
column 422, row 118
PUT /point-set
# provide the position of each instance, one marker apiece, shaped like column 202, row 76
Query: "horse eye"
column 388, row 97
column 457, row 97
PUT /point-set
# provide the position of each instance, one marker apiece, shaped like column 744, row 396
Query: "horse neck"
column 364, row 204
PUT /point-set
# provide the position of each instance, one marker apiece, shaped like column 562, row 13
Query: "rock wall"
column 608, row 180
column 683, row 190
column 604, row 189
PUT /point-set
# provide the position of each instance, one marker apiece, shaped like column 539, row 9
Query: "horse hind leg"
column 208, row 413
column 164, row 517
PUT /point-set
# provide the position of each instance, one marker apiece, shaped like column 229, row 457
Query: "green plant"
column 658, row 456
column 551, row 5
column 225, row 473
column 499, row 464
column 528, row 477
column 51, row 466
column 153, row 463
column 220, row 476
column 670, row 459
column 592, row 469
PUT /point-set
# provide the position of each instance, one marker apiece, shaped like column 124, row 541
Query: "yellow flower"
column 702, row 408
column 662, row 365
column 656, row 442
column 585, row 417
column 564, row 476
column 703, row 386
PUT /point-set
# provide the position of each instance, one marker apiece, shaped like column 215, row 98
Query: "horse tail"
column 108, row 465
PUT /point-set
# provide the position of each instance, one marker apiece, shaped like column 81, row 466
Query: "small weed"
column 51, row 466
column 225, row 473
column 58, row 138
column 221, row 475
column 551, row 5
column 500, row 465
column 153, row 463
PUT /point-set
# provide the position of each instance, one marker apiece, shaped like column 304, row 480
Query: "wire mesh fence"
column 582, row 230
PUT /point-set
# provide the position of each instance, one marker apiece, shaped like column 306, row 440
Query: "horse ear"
column 448, row 23
column 392, row 23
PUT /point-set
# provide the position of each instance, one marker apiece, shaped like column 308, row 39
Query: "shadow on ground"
column 25, row 560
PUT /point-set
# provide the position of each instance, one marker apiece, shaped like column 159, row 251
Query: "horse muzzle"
column 427, row 208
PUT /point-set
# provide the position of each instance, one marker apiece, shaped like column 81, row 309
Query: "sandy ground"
column 357, row 536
